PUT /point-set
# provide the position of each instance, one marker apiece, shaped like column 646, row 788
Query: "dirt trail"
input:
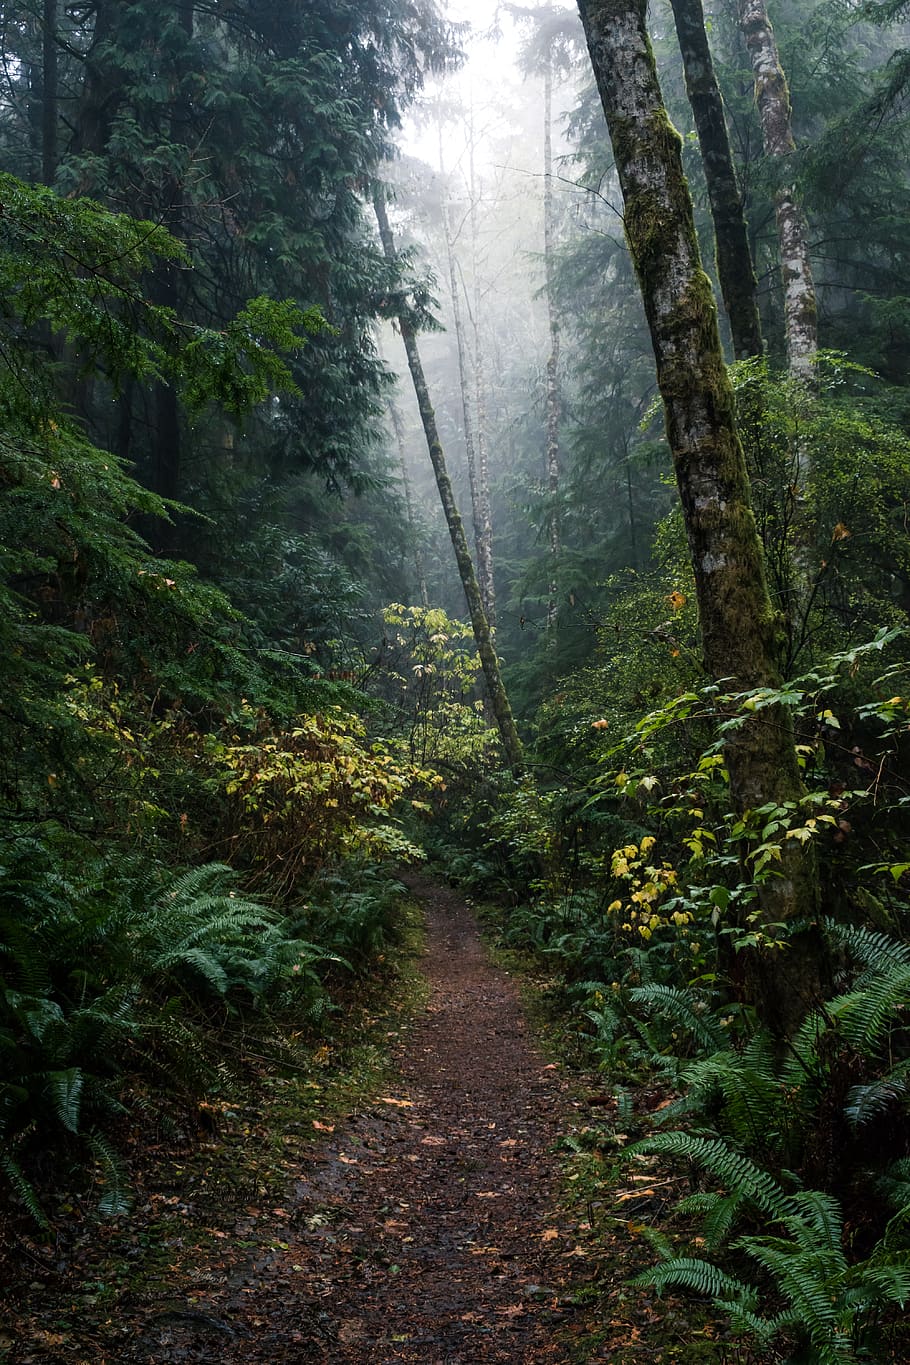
column 423, row 1230
column 453, row 1251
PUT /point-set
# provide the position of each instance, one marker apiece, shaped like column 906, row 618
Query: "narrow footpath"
column 424, row 1229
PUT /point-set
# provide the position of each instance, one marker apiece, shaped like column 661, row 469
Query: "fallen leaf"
column 549, row 1235
column 399, row 1104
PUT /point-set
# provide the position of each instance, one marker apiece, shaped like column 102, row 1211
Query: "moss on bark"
column 738, row 622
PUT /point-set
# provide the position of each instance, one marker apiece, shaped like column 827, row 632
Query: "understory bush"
column 111, row 968
column 640, row 890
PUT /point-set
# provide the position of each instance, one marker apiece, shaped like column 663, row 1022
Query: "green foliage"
column 428, row 672
column 826, row 1302
column 102, row 962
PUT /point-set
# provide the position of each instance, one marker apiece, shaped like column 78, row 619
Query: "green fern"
column 828, row 1302
column 685, row 1010
column 867, row 1014
column 702, row 1277
column 115, row 1201
column 731, row 1168
column 879, row 953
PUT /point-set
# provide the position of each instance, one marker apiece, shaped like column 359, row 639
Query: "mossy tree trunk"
column 735, row 268
column 737, row 619
column 483, row 637
column 773, row 99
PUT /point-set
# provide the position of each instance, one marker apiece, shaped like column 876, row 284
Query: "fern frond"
column 740, row 1175
column 24, row 1189
column 65, row 1088
column 115, row 1201
column 817, row 1223
column 866, row 1103
column 864, row 1016
column 718, row 1212
column 701, row 1276
column 686, row 1010
column 879, row 953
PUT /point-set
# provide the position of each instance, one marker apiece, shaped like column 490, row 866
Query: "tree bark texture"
column 735, row 268
column 483, row 638
column 554, row 396
column 773, row 99
column 737, row 619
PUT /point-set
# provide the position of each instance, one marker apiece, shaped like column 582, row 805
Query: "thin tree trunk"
column 737, row 619
column 50, row 94
column 398, row 428
column 484, row 569
column 485, row 547
column 482, row 636
column 630, row 506
column 773, row 99
column 169, row 435
column 554, row 396
column 735, row 268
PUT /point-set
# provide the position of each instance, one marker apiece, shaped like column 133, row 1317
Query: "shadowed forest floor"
column 431, row 1225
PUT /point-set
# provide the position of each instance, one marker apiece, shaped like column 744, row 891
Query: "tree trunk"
column 554, row 396
column 101, row 90
column 485, row 547
column 398, row 428
column 773, row 99
column 50, row 94
column 482, row 636
column 484, row 568
column 735, row 269
column 737, row 620
column 168, row 290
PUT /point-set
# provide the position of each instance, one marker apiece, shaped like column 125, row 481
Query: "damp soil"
column 429, row 1226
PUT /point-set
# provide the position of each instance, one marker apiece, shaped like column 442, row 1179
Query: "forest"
column 455, row 461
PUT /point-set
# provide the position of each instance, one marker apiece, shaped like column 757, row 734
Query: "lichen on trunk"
column 773, row 99
column 737, row 620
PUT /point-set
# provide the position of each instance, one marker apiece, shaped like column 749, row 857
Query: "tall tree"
column 773, row 99
column 482, row 543
column 49, row 92
column 737, row 619
column 485, row 547
column 499, row 700
column 554, row 395
column 735, row 269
